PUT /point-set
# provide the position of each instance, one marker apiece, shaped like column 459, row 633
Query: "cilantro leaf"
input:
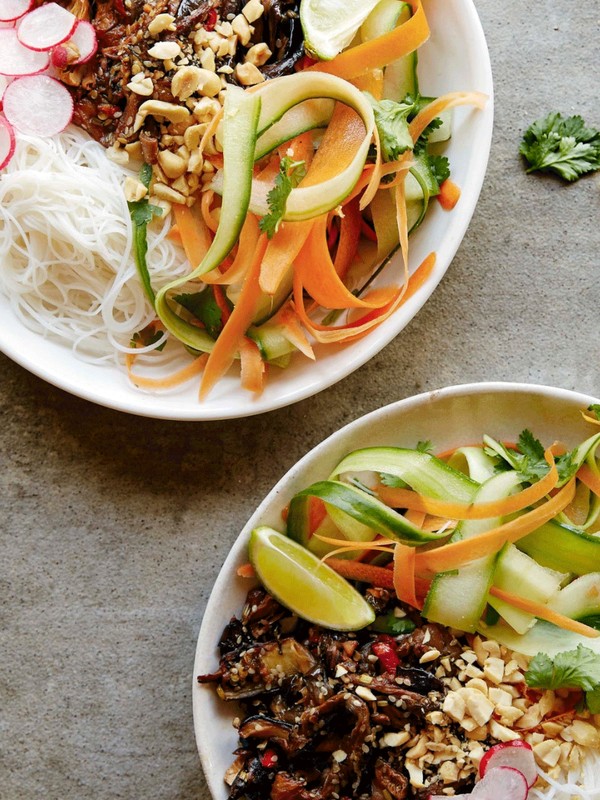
column 391, row 119
column 390, row 623
column 289, row 176
column 422, row 141
column 148, row 335
column 563, row 145
column 424, row 447
column 528, row 460
column 530, row 446
column 573, row 669
column 439, row 166
column 204, row 307
column 392, row 481
column 141, row 213
column 595, row 409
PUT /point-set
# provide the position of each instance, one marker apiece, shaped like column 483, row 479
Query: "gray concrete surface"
column 113, row 527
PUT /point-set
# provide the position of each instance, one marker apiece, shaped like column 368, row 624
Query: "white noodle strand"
column 66, row 260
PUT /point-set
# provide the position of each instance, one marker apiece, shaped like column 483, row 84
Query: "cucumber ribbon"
column 255, row 122
column 422, row 471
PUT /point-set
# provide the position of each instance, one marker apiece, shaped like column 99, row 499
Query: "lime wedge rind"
column 304, row 584
column 330, row 25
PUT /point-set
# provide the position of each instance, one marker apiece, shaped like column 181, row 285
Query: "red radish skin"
column 7, row 142
column 46, row 26
column 499, row 783
column 38, row 105
column 11, row 10
column 16, row 59
column 85, row 40
column 517, row 754
column 3, row 85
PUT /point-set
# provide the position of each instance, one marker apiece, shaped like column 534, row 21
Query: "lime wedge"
column 330, row 25
column 304, row 584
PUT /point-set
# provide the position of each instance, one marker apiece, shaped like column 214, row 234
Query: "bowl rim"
column 169, row 406
column 236, row 553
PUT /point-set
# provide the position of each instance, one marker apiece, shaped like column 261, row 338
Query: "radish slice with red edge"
column 10, row 10
column 16, row 59
column 3, row 85
column 499, row 783
column 38, row 105
column 516, row 753
column 505, row 782
column 46, row 26
column 7, row 142
column 85, row 42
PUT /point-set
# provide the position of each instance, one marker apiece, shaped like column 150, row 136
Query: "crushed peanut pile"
column 160, row 76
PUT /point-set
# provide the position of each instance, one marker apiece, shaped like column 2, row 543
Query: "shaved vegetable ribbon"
column 299, row 260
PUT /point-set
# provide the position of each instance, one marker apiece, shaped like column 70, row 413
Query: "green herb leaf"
column 424, row 447
column 289, row 176
column 563, row 145
column 595, row 409
column 141, row 213
column 391, row 119
column 392, row 481
column 529, row 459
column 204, row 307
column 573, row 669
column 440, row 167
column 390, row 623
column 148, row 335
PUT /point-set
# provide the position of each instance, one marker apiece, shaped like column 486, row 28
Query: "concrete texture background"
column 113, row 527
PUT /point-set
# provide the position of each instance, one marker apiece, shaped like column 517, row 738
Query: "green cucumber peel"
column 359, row 505
column 279, row 96
column 563, row 548
column 423, row 472
column 240, row 119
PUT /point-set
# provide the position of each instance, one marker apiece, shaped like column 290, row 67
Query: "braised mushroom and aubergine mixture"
column 329, row 715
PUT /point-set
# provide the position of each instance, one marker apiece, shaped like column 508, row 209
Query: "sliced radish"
column 10, row 10
column 517, row 754
column 7, row 142
column 505, row 782
column 499, row 783
column 3, row 85
column 46, row 26
column 16, row 59
column 85, row 40
column 38, row 105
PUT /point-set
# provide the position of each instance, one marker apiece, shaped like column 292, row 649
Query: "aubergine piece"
column 388, row 780
column 260, row 669
column 265, row 728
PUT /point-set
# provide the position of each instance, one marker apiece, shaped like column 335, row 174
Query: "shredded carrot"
column 281, row 253
column 405, row 498
column 193, row 231
column 211, row 222
column 449, row 194
column 317, row 512
column 446, row 101
column 453, row 555
column 590, row 478
column 316, row 272
column 382, row 50
column 588, row 418
column 293, row 330
column 350, row 229
column 174, row 235
column 228, row 342
column 175, row 379
column 236, row 270
column 366, row 573
column 371, row 82
column 543, row 612
column 246, row 571
column 404, row 575
column 252, row 366
column 221, row 302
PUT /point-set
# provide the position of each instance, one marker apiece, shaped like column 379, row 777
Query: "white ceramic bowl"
column 448, row 418
column 455, row 58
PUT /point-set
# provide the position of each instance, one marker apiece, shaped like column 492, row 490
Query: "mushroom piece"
column 259, row 669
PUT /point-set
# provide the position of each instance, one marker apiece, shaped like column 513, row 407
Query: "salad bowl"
column 454, row 58
column 448, row 418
